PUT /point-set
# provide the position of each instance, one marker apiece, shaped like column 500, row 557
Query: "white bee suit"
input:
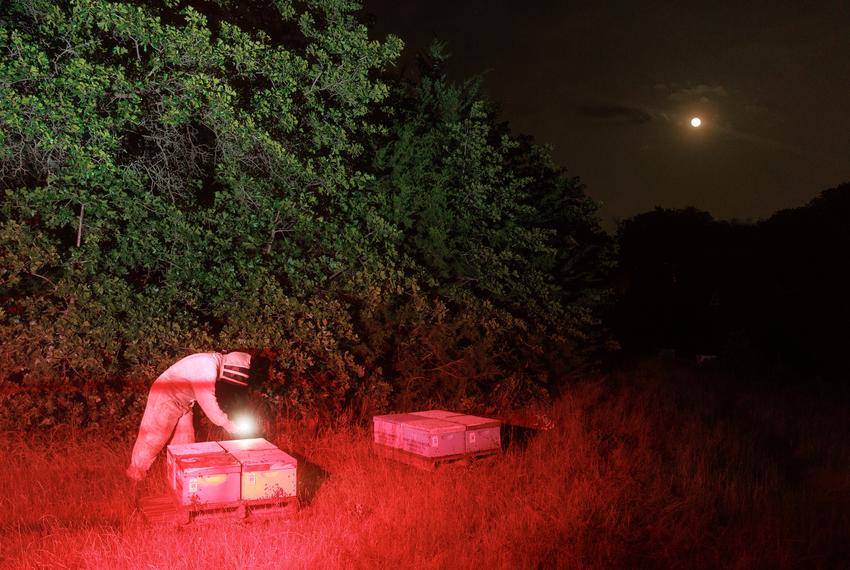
column 169, row 407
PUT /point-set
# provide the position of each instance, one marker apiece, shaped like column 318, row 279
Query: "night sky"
column 612, row 86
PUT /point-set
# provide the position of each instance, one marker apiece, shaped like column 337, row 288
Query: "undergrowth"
column 651, row 467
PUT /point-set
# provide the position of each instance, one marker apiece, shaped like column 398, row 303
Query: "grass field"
column 659, row 466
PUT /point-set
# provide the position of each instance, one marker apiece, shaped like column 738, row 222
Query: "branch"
column 80, row 225
column 444, row 367
column 42, row 277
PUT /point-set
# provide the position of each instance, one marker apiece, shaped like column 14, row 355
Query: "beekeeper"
column 172, row 396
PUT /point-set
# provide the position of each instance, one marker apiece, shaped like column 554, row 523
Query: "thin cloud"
column 701, row 92
column 614, row 113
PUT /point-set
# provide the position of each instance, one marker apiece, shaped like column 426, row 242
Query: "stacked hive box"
column 229, row 471
column 267, row 472
column 437, row 433
column 187, row 449
column 203, row 473
column 433, row 437
column 388, row 430
column 481, row 433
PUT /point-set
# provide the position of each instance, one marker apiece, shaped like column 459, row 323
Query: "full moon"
column 696, row 121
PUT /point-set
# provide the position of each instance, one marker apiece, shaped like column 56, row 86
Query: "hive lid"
column 439, row 414
column 247, row 444
column 475, row 422
column 396, row 418
column 264, row 459
column 207, row 464
column 435, row 425
column 195, row 448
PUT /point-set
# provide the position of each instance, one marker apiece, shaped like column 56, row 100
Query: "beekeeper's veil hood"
column 235, row 368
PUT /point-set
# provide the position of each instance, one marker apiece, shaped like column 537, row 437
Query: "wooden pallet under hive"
column 164, row 509
column 432, row 463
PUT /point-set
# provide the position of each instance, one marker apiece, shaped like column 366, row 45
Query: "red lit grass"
column 668, row 468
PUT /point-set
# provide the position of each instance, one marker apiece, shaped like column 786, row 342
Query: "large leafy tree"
column 509, row 258
column 173, row 182
column 191, row 175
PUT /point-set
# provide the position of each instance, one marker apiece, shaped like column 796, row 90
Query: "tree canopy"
column 198, row 175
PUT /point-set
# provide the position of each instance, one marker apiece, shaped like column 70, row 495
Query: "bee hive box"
column 481, row 433
column 179, row 450
column 433, row 437
column 202, row 475
column 267, row 472
column 388, row 429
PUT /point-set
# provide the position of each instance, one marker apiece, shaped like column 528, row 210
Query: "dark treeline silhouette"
column 772, row 292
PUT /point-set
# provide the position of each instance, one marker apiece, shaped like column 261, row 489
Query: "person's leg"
column 185, row 430
column 158, row 421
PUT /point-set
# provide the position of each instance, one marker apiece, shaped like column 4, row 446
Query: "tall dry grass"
column 654, row 467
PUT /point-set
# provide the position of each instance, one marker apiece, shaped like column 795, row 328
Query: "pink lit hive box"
column 267, row 472
column 481, row 433
column 388, row 429
column 201, row 475
column 186, row 449
column 432, row 437
column 223, row 472
column 437, row 433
